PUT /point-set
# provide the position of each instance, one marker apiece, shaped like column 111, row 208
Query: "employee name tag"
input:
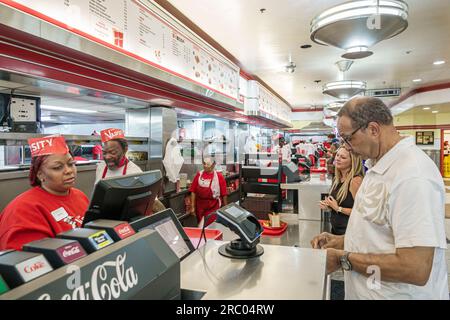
column 59, row 214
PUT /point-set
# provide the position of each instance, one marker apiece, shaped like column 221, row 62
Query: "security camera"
column 290, row 68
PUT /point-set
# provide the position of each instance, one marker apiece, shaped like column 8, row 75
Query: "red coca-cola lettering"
column 33, row 267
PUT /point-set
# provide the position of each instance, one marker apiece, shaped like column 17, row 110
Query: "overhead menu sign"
column 134, row 28
column 262, row 100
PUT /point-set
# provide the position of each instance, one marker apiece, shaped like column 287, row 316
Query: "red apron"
column 124, row 172
column 205, row 203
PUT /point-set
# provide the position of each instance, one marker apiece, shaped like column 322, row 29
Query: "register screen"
column 169, row 232
column 235, row 212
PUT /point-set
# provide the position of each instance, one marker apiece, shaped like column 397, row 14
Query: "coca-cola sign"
column 33, row 268
column 108, row 281
column 71, row 252
column 128, row 269
column 124, row 230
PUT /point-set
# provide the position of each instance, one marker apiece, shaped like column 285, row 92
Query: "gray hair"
column 362, row 110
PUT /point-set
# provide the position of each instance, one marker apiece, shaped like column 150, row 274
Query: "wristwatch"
column 339, row 210
column 345, row 263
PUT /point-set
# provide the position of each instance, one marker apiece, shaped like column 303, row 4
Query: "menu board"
column 133, row 27
column 425, row 137
column 264, row 101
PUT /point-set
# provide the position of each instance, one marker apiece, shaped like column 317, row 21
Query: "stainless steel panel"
column 280, row 273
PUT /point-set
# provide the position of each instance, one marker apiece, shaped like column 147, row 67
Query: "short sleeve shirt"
column 400, row 204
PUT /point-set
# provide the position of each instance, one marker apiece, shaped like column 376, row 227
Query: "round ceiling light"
column 357, row 53
column 357, row 25
column 344, row 89
column 335, row 106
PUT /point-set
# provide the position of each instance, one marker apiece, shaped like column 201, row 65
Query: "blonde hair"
column 356, row 169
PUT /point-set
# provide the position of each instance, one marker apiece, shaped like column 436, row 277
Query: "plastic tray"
column 273, row 231
column 194, row 235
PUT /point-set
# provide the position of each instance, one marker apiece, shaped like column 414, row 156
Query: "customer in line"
column 395, row 234
column 53, row 205
column 347, row 180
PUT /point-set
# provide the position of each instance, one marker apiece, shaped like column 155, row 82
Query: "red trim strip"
column 413, row 92
column 424, row 126
column 308, row 110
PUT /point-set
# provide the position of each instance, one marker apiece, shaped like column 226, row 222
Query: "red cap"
column 111, row 134
column 277, row 136
column 48, row 145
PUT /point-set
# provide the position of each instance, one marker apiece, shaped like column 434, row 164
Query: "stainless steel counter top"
column 281, row 273
column 299, row 232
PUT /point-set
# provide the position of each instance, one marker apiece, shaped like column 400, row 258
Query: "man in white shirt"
column 394, row 246
column 115, row 162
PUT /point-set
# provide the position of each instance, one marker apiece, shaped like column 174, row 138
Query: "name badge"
column 59, row 214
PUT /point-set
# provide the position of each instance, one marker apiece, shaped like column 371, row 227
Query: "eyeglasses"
column 348, row 138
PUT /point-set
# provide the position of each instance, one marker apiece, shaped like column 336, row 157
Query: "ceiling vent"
column 379, row 93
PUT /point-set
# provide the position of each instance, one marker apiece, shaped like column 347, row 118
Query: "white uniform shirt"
column 400, row 204
column 286, row 152
column 131, row 169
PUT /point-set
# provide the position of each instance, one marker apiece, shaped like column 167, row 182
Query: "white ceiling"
column 263, row 42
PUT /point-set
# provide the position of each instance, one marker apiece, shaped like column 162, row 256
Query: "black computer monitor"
column 124, row 198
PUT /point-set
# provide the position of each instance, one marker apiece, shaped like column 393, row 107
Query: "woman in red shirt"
column 53, row 205
column 207, row 189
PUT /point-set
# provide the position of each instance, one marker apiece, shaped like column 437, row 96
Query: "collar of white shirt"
column 388, row 159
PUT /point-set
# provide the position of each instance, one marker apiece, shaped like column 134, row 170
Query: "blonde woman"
column 348, row 177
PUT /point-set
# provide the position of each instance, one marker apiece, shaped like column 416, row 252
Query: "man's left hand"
column 333, row 262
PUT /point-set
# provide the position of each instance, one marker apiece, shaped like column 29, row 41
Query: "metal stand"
column 237, row 249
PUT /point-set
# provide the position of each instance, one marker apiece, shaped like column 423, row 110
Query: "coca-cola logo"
column 124, row 231
column 108, row 281
column 33, row 267
column 71, row 252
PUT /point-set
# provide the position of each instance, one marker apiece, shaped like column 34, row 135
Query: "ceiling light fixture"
column 344, row 89
column 439, row 62
column 417, row 80
column 357, row 25
column 73, row 110
column 335, row 106
column 290, row 68
column 426, row 108
column 435, row 111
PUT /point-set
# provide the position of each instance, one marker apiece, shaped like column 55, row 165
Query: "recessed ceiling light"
column 438, row 62
column 417, row 80
column 426, row 108
column 435, row 111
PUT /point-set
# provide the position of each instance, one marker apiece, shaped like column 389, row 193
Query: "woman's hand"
column 332, row 203
column 323, row 205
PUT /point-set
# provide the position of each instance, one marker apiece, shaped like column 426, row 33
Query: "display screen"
column 235, row 212
column 169, row 232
